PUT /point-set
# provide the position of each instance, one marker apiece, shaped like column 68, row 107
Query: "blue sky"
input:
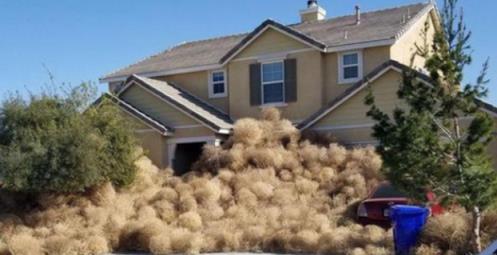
column 82, row 40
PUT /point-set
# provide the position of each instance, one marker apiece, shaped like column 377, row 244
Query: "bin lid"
column 408, row 210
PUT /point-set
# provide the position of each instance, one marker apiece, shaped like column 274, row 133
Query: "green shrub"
column 49, row 143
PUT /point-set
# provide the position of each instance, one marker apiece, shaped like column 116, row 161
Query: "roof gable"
column 158, row 126
column 141, row 98
column 184, row 102
column 261, row 29
column 269, row 43
column 368, row 79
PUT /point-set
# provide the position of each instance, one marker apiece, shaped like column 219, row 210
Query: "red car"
column 376, row 208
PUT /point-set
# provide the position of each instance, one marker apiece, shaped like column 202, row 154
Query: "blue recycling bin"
column 408, row 221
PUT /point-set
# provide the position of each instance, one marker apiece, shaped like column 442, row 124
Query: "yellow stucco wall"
column 197, row 83
column 309, row 87
column 155, row 107
column 404, row 49
column 270, row 41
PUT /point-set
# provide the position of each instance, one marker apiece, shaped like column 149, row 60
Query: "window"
column 217, row 84
column 350, row 64
column 272, row 82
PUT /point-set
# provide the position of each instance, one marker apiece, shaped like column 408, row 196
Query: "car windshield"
column 387, row 190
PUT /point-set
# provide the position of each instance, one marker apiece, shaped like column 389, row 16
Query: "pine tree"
column 438, row 140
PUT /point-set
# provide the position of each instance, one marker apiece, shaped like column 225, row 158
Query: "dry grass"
column 428, row 250
column 25, row 244
column 450, row 233
column 265, row 190
column 4, row 249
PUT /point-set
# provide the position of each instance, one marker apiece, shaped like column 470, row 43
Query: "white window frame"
column 211, row 83
column 282, row 81
column 342, row 66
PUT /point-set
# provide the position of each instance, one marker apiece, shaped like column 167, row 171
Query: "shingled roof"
column 191, row 105
column 327, row 35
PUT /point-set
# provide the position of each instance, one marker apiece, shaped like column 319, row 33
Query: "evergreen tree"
column 438, row 141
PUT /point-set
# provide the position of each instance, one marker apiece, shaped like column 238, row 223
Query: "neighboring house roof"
column 368, row 79
column 377, row 28
column 492, row 109
column 141, row 116
column 185, row 102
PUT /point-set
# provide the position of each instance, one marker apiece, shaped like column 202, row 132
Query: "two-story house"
column 315, row 72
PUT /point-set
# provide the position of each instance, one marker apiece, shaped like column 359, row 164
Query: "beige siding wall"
column 271, row 41
column 372, row 58
column 317, row 75
column 404, row 49
column 155, row 107
column 155, row 147
column 351, row 136
column 192, row 132
column 309, row 76
column 309, row 88
column 197, row 83
column 135, row 123
column 153, row 143
column 353, row 111
column 350, row 125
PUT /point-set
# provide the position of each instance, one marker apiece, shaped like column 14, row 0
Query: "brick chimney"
column 314, row 12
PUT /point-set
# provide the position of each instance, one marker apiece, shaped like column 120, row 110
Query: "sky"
column 79, row 41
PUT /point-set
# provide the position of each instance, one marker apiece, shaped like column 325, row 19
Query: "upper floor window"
column 273, row 84
column 217, row 84
column 350, row 67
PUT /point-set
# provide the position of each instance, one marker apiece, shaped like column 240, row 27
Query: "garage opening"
column 185, row 155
